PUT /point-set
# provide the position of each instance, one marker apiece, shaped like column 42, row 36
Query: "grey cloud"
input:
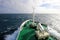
column 10, row 6
column 49, row 5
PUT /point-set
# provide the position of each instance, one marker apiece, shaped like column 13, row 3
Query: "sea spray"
column 12, row 36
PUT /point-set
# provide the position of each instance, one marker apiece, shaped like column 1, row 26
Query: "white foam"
column 12, row 36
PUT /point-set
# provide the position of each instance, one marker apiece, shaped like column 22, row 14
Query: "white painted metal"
column 21, row 27
column 53, row 32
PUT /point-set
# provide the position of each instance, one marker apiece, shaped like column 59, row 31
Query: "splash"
column 12, row 36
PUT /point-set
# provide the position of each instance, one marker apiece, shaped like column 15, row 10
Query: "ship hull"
column 27, row 33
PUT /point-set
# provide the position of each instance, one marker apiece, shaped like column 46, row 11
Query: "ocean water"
column 9, row 23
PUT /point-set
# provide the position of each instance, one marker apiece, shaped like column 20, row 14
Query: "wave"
column 12, row 36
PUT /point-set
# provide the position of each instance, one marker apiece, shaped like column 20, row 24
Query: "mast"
column 33, row 14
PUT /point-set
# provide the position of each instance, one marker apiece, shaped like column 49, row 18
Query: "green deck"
column 28, row 33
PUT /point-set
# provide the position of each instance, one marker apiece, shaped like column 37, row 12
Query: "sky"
column 26, row 6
